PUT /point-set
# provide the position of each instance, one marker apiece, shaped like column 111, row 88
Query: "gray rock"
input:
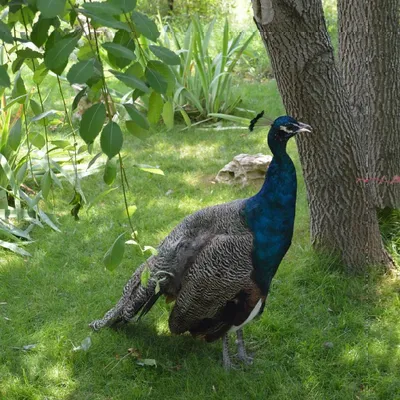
column 244, row 168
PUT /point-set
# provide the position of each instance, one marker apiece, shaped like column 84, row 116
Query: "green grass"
column 323, row 335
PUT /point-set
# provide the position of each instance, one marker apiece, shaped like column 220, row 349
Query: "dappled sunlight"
column 162, row 326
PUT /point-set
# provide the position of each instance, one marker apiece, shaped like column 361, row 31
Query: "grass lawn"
column 323, row 335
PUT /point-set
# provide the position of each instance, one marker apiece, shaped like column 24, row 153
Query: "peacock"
column 218, row 263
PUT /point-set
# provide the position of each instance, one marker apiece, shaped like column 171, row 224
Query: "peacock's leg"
column 242, row 354
column 225, row 353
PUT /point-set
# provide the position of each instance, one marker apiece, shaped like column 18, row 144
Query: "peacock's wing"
column 217, row 291
column 180, row 249
column 176, row 254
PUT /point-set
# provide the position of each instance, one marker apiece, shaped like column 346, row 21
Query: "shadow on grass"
column 323, row 335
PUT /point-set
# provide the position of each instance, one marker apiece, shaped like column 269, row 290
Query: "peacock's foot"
column 96, row 325
column 246, row 359
column 242, row 354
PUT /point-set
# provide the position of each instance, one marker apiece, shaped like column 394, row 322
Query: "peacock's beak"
column 303, row 128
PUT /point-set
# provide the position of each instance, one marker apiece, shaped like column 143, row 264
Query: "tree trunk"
column 369, row 48
column 295, row 36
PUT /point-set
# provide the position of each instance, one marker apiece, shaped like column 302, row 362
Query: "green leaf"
column 78, row 97
column 149, row 168
column 156, row 81
column 137, row 116
column 72, row 17
column 150, row 249
column 96, row 78
column 102, row 9
column 18, row 88
column 40, row 31
column 115, row 253
column 28, row 53
column 94, row 159
column 125, row 5
column 4, row 78
column 40, row 73
column 92, row 122
column 111, row 139
column 168, row 115
column 186, row 118
column 165, row 71
column 13, row 247
column 137, row 131
column 155, row 108
column 50, row 8
column 124, row 39
column 110, row 172
column 131, row 210
column 37, row 140
column 131, row 81
column 166, row 55
column 81, row 71
column 118, row 50
column 21, row 173
column 233, row 118
column 35, row 106
column 45, row 184
column 15, row 135
column 145, row 26
column 135, row 69
column 145, row 276
column 56, row 57
column 17, row 64
column 5, row 33
column 46, row 114
column 87, row 50
column 61, row 144
column 105, row 20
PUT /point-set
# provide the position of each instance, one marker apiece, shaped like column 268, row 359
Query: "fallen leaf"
column 150, row 362
column 85, row 345
column 29, row 347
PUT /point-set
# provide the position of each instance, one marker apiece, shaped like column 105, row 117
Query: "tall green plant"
column 204, row 80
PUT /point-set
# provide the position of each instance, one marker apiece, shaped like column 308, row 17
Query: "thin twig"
column 73, row 132
column 121, row 166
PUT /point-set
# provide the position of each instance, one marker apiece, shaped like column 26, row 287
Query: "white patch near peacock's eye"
column 252, row 315
column 285, row 129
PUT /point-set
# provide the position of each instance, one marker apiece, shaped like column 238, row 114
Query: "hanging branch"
column 73, row 133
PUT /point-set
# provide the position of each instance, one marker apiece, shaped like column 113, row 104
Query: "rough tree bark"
column 301, row 53
column 369, row 49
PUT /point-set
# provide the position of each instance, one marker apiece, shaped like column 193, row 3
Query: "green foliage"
column 92, row 122
column 42, row 36
column 208, row 9
column 331, row 19
column 111, row 139
column 115, row 253
column 203, row 82
column 389, row 222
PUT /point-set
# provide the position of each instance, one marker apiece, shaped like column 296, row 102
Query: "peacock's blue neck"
column 270, row 216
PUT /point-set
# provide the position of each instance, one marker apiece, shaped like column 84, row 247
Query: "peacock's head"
column 283, row 128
